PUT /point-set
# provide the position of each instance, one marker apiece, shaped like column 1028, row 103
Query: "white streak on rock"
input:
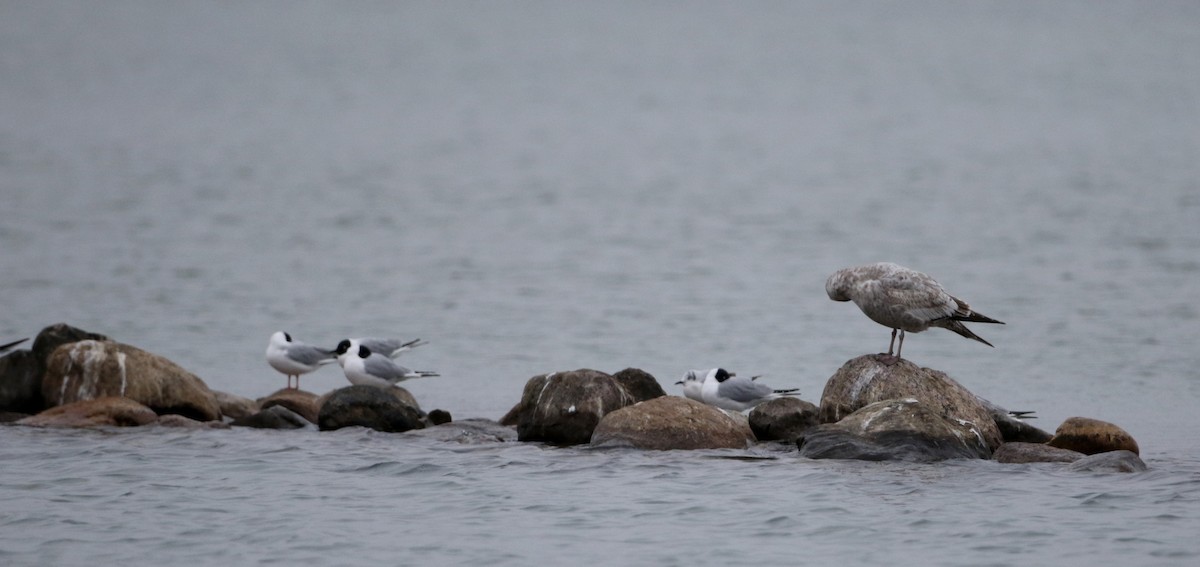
column 121, row 365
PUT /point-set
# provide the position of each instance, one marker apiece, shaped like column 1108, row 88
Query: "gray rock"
column 672, row 422
column 367, row 406
column 1111, row 461
column 274, row 417
column 783, row 419
column 873, row 378
column 895, row 430
column 90, row 369
column 468, row 432
column 1020, row 452
column 21, row 382
column 563, row 408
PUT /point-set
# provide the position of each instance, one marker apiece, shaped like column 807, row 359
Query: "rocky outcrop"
column 367, row 406
column 783, row 419
column 234, row 406
column 113, row 411
column 303, row 402
column 563, row 408
column 91, row 369
column 274, row 417
column 468, row 432
column 672, row 422
column 1111, row 461
column 1092, row 436
column 873, row 378
column 1020, row 452
column 895, row 430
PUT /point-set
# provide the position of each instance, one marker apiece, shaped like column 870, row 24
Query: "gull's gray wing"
column 740, row 390
column 382, row 367
column 307, row 354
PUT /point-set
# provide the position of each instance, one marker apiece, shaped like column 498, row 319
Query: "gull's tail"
column 954, row 325
column 787, row 392
column 422, row 374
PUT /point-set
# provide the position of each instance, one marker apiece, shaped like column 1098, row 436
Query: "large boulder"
column 783, row 419
column 1109, row 461
column 873, row 378
column 895, row 430
column 1020, row 452
column 563, row 408
column 672, row 422
column 367, row 406
column 303, row 402
column 1092, row 436
column 91, row 369
column 115, row 411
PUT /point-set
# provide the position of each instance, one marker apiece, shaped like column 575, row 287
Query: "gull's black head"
column 363, row 351
column 343, row 346
column 722, row 375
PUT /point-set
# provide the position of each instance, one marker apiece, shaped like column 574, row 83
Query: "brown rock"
column 1019, row 452
column 274, row 417
column 873, row 378
column 639, row 384
column 783, row 419
column 672, row 422
column 234, row 406
column 181, row 422
column 122, row 412
column 1091, row 436
column 563, row 408
column 303, row 402
column 90, row 369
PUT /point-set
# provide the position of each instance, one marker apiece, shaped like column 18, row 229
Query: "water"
column 547, row 186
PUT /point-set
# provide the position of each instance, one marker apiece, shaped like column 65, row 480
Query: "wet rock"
column 21, row 382
column 367, row 406
column 895, row 430
column 234, row 406
column 1091, row 436
column 563, row 408
column 54, row 336
column 468, row 432
column 178, row 421
column 1111, row 461
column 639, row 384
column 303, row 402
column 873, row 378
column 438, row 417
column 783, row 419
column 403, row 396
column 1020, row 452
column 121, row 412
column 274, row 417
column 90, row 369
column 672, row 422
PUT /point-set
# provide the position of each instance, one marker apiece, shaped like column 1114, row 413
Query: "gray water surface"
column 535, row 187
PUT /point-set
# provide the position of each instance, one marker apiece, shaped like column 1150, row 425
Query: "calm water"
column 547, row 186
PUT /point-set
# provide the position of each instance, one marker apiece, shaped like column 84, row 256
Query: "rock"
column 640, row 385
column 1111, row 461
column 672, row 422
column 1091, row 436
column 439, row 416
column 403, row 396
column 111, row 410
column 54, row 336
column 367, row 406
column 274, row 417
column 12, row 416
column 21, row 382
column 91, row 369
column 895, row 430
column 563, row 408
column 468, row 432
column 783, row 419
column 305, row 403
column 1020, row 452
column 178, row 421
column 873, row 378
column 234, row 406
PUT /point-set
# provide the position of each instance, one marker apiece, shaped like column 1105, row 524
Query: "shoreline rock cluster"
column 875, row 407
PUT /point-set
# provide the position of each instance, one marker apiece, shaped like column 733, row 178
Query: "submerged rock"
column 873, row 378
column 672, row 422
column 895, row 430
column 468, row 432
column 1091, row 436
column 783, row 419
column 1020, row 452
column 90, row 369
column 274, row 417
column 563, row 408
column 367, row 406
column 110, row 410
column 1110, row 461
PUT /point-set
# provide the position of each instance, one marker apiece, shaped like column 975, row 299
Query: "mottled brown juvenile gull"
column 903, row 300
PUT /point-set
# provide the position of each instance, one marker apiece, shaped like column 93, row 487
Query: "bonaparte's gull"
column 294, row 358
column 691, row 382
column 725, row 390
column 364, row 368
column 387, row 347
column 903, row 300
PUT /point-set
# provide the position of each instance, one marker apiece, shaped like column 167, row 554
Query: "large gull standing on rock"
column 903, row 300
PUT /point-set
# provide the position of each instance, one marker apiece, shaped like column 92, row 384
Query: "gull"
column 390, row 348
column 294, row 358
column 365, row 368
column 691, row 382
column 727, row 391
column 903, row 300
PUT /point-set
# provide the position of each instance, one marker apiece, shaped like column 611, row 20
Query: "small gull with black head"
column 294, row 358
column 365, row 368
column 727, row 391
